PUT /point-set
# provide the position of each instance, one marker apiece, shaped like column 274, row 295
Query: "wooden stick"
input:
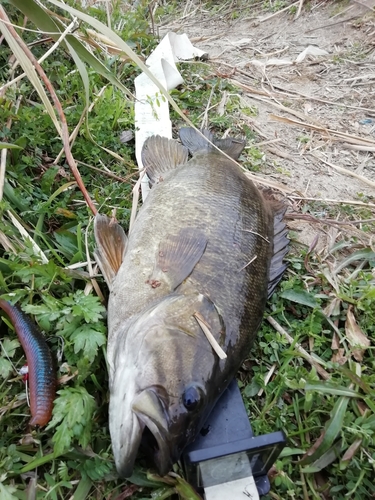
column 215, row 346
column 299, row 10
column 135, row 199
column 278, row 12
column 328, row 200
column 345, row 171
column 354, row 139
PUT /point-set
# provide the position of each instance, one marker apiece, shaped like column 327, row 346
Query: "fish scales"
column 202, row 243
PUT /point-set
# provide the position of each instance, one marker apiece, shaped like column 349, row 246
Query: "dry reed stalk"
column 206, row 330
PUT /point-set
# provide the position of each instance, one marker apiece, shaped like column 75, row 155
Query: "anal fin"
column 177, row 256
column 111, row 243
column 159, row 155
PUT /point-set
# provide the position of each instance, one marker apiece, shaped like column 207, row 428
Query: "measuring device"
column 226, row 461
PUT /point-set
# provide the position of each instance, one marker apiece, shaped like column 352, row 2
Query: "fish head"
column 160, row 391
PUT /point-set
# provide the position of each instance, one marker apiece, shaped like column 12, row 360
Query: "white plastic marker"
column 151, row 107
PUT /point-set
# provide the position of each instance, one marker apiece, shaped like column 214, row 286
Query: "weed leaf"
column 7, row 145
column 300, row 297
column 330, row 388
column 31, row 74
column 88, row 340
column 74, row 409
column 5, row 367
column 332, row 429
column 6, row 492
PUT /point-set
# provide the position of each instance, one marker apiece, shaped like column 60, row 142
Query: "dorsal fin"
column 159, row 155
column 280, row 245
column 195, row 142
column 111, row 243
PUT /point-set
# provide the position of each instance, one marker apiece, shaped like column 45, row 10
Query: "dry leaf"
column 338, row 357
column 351, row 451
column 315, row 446
column 127, row 492
column 222, row 104
column 333, row 309
column 28, row 440
column 362, row 407
column 272, row 473
column 307, row 107
column 356, row 338
column 243, row 41
column 65, row 378
column 270, row 62
column 312, row 50
column 335, row 344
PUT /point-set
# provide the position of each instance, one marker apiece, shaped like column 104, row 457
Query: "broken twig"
column 215, row 346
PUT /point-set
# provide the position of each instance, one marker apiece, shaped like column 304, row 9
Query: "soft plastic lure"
column 42, row 375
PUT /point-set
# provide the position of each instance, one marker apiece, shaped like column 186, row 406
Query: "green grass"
column 73, row 454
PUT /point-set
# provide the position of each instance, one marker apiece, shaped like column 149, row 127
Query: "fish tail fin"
column 160, row 154
column 280, row 241
column 195, row 142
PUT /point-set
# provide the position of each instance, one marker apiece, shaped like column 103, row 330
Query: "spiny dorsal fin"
column 159, row 155
column 195, row 142
column 111, row 243
column 177, row 257
column 280, row 245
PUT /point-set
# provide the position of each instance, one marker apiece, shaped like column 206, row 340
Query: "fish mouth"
column 150, row 411
column 147, row 428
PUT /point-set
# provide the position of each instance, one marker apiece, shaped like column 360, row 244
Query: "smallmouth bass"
column 206, row 248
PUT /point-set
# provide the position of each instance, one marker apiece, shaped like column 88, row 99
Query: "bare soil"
column 314, row 117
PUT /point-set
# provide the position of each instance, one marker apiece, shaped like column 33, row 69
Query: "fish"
column 41, row 370
column 205, row 252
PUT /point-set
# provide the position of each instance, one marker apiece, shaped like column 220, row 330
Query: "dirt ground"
column 316, row 114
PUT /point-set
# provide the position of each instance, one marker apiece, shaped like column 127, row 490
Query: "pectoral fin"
column 111, row 246
column 177, row 257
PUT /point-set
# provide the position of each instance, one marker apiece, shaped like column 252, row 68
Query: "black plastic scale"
column 226, row 450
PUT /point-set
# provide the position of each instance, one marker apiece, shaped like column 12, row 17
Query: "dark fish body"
column 202, row 246
column 41, row 372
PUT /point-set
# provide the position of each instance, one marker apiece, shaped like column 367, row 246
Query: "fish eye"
column 191, row 398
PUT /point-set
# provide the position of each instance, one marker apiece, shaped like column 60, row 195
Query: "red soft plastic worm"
column 42, row 376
